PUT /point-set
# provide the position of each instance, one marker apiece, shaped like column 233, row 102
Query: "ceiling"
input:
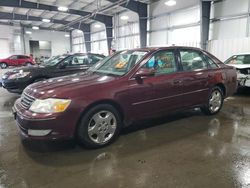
column 93, row 6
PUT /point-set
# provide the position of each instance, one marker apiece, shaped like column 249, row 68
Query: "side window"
column 93, row 59
column 13, row 57
column 163, row 62
column 192, row 60
column 211, row 63
column 79, row 60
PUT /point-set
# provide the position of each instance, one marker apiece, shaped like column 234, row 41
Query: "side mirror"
column 62, row 65
column 144, row 72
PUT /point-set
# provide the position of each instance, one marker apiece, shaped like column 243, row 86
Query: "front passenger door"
column 159, row 94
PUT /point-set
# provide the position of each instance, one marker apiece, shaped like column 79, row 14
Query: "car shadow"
column 32, row 147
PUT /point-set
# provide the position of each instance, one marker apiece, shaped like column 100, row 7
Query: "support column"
column 87, row 36
column 205, row 22
column 109, row 32
column 143, row 13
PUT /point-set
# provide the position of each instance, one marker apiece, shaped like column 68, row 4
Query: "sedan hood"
column 66, row 85
column 245, row 66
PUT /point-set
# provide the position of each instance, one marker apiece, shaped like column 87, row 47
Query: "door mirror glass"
column 145, row 72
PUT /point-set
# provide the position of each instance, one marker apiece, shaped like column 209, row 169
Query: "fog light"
column 38, row 132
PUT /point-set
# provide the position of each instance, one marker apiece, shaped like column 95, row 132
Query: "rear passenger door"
column 195, row 81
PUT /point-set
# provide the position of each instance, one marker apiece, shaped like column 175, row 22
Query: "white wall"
column 225, row 48
column 98, row 38
column 178, row 25
column 78, row 42
column 59, row 43
column 229, row 36
column 127, row 34
column 10, row 41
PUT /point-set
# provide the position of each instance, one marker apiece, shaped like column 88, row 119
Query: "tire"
column 214, row 102
column 94, row 132
column 3, row 65
column 28, row 64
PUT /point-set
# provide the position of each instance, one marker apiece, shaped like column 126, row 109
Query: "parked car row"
column 93, row 105
column 17, row 79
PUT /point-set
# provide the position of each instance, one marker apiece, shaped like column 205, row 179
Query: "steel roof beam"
column 32, row 5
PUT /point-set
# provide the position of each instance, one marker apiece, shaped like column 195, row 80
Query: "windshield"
column 239, row 60
column 120, row 63
column 53, row 61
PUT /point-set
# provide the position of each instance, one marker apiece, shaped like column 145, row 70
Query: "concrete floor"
column 184, row 150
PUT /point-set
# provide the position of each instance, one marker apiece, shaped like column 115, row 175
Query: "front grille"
column 244, row 71
column 26, row 100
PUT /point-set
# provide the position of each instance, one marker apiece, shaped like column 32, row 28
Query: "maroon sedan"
column 129, row 86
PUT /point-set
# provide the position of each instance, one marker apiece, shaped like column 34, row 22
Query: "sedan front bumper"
column 33, row 126
column 15, row 86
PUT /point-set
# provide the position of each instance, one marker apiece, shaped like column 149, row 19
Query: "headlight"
column 20, row 74
column 50, row 105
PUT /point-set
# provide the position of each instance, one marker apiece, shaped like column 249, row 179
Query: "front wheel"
column 28, row 64
column 3, row 65
column 214, row 103
column 99, row 127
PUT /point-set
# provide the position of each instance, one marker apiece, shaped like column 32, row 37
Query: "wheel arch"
column 111, row 102
column 223, row 88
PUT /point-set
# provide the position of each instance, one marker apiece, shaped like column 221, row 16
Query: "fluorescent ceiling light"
column 170, row 3
column 28, row 32
column 124, row 17
column 63, row 9
column 98, row 26
column 67, row 35
column 35, row 27
column 46, row 20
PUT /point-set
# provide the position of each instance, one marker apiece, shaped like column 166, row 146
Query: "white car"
column 242, row 63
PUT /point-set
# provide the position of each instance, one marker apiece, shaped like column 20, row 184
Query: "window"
column 163, row 62
column 211, row 63
column 121, row 63
column 95, row 58
column 192, row 60
column 13, row 57
column 22, row 57
column 239, row 60
column 79, row 60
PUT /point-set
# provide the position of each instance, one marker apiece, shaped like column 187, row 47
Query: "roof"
column 11, row 13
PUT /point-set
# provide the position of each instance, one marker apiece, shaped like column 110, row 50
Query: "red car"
column 16, row 60
column 127, row 87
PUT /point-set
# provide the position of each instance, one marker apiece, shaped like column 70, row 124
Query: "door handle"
column 177, row 82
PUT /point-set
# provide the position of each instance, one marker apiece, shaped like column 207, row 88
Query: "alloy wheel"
column 215, row 101
column 102, row 127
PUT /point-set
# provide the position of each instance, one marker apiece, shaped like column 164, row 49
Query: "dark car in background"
column 17, row 79
column 16, row 60
column 129, row 86
column 242, row 64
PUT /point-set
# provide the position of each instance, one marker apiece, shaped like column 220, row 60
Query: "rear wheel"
column 215, row 102
column 28, row 64
column 3, row 65
column 99, row 127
